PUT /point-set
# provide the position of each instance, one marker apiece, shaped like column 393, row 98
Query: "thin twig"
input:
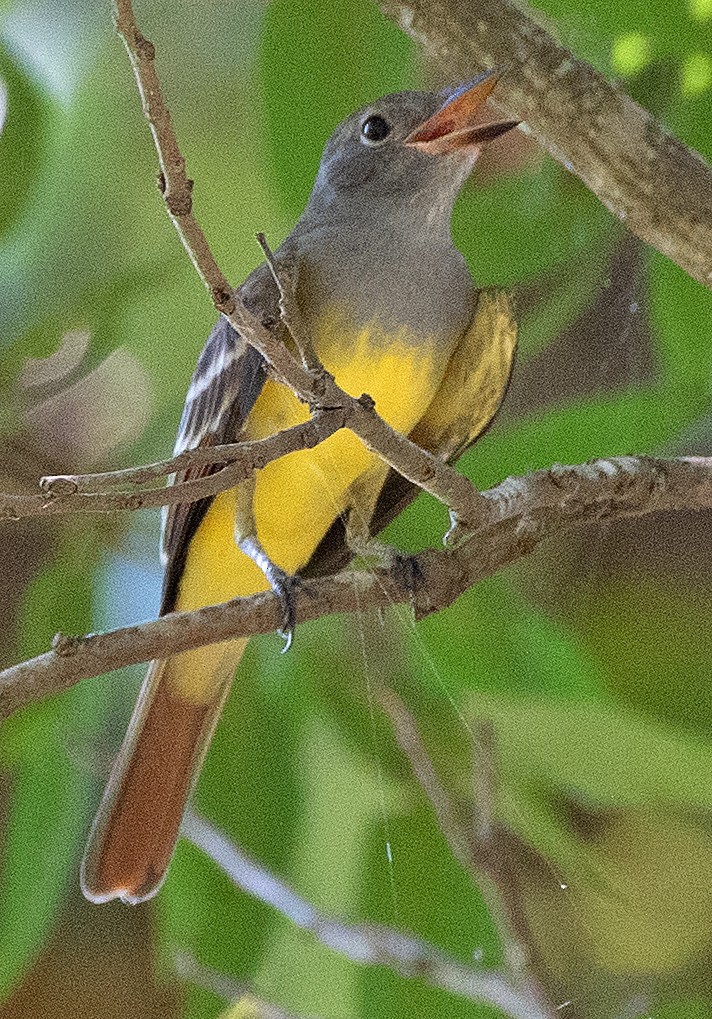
column 521, row 513
column 406, row 732
column 222, row 986
column 288, row 308
column 255, row 453
column 656, row 185
column 488, row 851
column 317, row 389
column 67, row 493
column 371, row 944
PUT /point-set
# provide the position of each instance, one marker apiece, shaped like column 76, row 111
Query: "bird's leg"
column 283, row 584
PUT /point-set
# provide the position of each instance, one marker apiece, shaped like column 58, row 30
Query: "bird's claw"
column 408, row 572
column 286, row 587
column 457, row 533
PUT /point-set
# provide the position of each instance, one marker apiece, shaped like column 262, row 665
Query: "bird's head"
column 407, row 150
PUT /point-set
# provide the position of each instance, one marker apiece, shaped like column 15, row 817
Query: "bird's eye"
column 375, row 130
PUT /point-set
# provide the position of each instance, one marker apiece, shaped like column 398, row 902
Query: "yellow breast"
column 297, row 498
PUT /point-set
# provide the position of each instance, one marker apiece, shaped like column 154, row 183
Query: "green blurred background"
column 592, row 659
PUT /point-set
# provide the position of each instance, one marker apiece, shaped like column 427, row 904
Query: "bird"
column 390, row 309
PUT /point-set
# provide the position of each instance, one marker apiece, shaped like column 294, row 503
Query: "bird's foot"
column 284, row 586
column 404, row 566
column 457, row 533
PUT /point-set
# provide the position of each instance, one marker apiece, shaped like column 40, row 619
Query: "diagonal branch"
column 488, row 850
column 371, row 944
column 316, row 388
column 485, row 848
column 660, row 188
column 222, row 986
column 254, row 453
column 520, row 513
column 405, row 730
column 85, row 493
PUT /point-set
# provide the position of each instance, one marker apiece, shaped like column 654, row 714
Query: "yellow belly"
column 297, row 498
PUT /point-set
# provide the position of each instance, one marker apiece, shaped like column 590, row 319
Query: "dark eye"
column 375, row 129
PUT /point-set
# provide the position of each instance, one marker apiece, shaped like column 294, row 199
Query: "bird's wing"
column 227, row 380
column 475, row 382
column 462, row 409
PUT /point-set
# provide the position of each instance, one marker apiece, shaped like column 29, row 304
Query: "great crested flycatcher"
column 390, row 309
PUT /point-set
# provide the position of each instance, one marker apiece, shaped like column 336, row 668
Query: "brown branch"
column 315, row 388
column 371, row 944
column 67, row 493
column 256, row 453
column 520, row 514
column 650, row 180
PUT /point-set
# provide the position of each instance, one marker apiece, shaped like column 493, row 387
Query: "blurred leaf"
column 630, row 53
column 655, row 645
column 24, row 140
column 47, row 806
column 41, row 748
column 522, row 226
column 681, row 314
column 650, row 18
column 631, row 923
column 648, row 910
column 250, row 789
column 491, row 639
column 594, row 789
column 636, row 421
column 603, row 754
column 96, row 217
column 343, row 798
column 684, row 1009
column 424, row 890
column 548, row 317
column 696, row 74
column 691, row 119
column 306, row 96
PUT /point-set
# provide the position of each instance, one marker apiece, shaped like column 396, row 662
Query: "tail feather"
column 136, row 827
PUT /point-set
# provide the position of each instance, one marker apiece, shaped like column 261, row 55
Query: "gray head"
column 405, row 155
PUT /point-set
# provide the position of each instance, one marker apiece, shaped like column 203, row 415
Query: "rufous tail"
column 136, row 827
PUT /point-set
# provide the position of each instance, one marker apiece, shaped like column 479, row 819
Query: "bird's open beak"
column 453, row 128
